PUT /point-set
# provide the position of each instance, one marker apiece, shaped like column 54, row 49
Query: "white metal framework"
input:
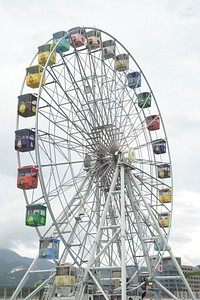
column 99, row 176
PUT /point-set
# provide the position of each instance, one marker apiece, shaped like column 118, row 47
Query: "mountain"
column 13, row 267
column 9, row 255
column 10, row 259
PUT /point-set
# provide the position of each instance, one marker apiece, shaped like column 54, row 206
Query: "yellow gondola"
column 165, row 195
column 44, row 52
column 164, row 219
column 34, row 75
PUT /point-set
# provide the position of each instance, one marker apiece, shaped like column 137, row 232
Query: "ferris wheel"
column 94, row 165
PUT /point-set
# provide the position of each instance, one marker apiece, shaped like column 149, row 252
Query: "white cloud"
column 186, row 226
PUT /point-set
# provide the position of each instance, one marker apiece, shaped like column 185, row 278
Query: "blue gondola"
column 159, row 146
column 49, row 248
column 134, row 80
column 64, row 41
column 24, row 140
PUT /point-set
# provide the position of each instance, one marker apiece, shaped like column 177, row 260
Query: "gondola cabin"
column 27, row 178
column 78, row 38
column 63, row 40
column 164, row 219
column 165, row 195
column 35, row 215
column 66, row 282
column 122, row 62
column 159, row 245
column 159, row 146
column 144, row 100
column 66, row 275
column 24, row 140
column 153, row 122
column 49, row 248
column 108, row 49
column 134, row 80
column 34, row 75
column 93, row 39
column 164, row 171
column 44, row 52
column 27, row 105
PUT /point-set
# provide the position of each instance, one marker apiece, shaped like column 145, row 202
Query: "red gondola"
column 27, row 178
column 153, row 122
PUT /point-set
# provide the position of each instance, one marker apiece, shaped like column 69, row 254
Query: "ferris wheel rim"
column 40, row 91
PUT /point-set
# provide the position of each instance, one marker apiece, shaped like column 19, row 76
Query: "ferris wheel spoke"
column 91, row 102
column 71, row 139
column 97, row 99
column 86, row 101
column 75, row 119
column 72, row 99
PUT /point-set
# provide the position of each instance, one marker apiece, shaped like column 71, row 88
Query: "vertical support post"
column 123, row 237
column 21, row 293
column 5, row 293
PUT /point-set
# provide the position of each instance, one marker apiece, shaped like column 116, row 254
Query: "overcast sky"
column 164, row 38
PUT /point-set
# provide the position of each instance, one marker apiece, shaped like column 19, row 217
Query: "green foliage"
column 38, row 283
column 189, row 274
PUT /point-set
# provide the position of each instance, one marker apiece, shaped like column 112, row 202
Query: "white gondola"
column 108, row 50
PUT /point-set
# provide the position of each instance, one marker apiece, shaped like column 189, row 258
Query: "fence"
column 7, row 291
